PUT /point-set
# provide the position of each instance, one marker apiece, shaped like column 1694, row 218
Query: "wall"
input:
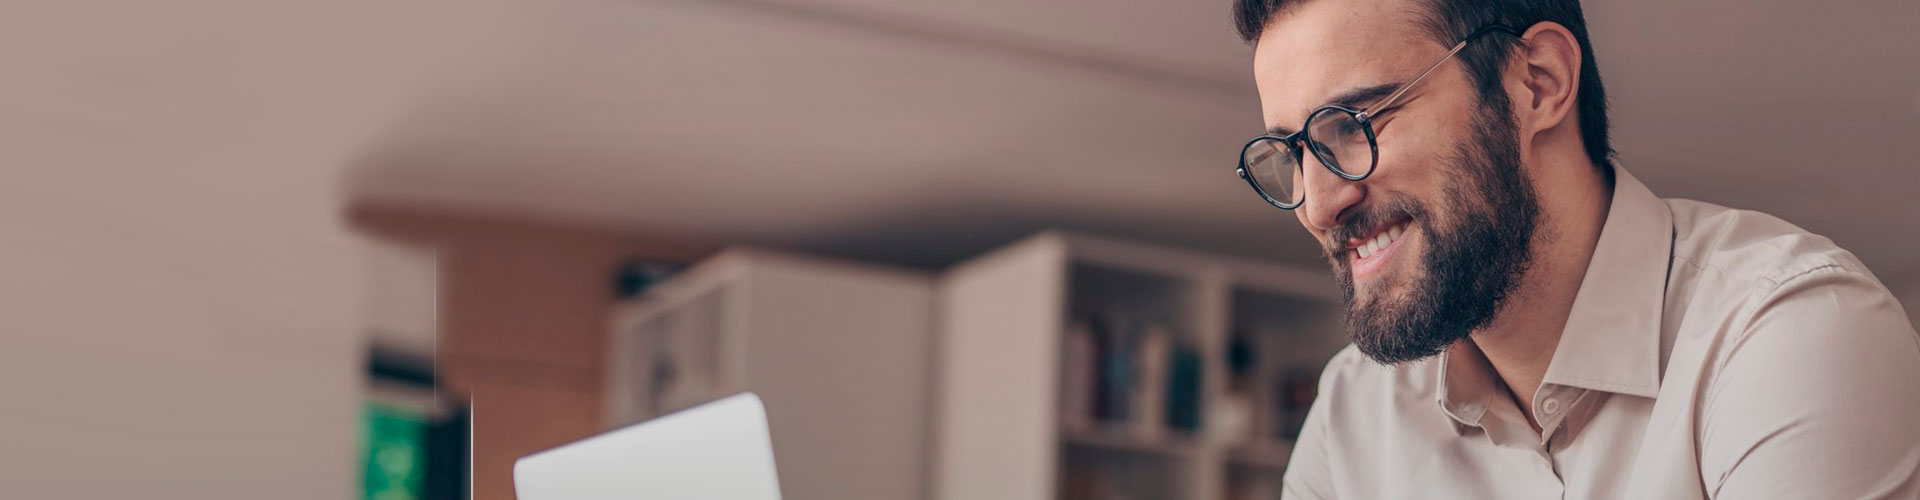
column 523, row 315
column 178, row 298
column 140, row 364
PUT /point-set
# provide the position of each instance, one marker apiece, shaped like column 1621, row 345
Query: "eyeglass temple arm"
column 1395, row 96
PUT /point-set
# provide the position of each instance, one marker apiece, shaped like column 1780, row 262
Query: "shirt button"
column 1550, row 406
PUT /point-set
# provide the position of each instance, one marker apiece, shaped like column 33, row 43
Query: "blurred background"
column 965, row 250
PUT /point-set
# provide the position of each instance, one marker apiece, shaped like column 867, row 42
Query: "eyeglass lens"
column 1336, row 138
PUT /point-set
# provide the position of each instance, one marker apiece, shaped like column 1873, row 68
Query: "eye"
column 1353, row 131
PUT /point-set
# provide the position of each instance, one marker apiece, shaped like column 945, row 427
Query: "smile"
column 1371, row 254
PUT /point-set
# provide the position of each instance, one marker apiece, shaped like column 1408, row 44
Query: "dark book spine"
column 1183, row 389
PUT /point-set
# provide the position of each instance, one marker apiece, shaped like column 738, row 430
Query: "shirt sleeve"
column 1308, row 475
column 1818, row 396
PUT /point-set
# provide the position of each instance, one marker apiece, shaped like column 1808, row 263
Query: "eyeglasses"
column 1340, row 137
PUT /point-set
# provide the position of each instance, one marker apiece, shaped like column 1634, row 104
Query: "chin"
column 1389, row 285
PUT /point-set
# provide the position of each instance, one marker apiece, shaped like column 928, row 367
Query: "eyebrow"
column 1351, row 98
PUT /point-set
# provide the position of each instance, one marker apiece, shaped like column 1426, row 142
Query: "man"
column 1528, row 320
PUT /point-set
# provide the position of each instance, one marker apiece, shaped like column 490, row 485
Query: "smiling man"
column 1528, row 319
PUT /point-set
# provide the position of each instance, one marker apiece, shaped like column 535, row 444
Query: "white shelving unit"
column 838, row 351
column 1000, row 432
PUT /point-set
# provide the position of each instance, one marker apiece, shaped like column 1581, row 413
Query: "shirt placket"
column 1552, row 405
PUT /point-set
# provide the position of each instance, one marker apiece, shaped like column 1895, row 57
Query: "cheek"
column 1413, row 158
column 1406, row 147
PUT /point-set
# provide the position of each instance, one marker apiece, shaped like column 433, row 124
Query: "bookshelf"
column 837, row 350
column 1073, row 366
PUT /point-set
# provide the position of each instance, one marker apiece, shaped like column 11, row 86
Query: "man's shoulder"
column 1787, row 352
column 1738, row 271
column 1752, row 296
column 1749, row 249
column 1733, row 269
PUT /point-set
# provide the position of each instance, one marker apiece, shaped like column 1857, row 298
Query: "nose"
column 1329, row 196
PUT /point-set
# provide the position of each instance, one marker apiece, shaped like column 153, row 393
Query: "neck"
column 1520, row 340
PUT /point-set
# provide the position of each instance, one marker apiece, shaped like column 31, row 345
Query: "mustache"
column 1364, row 219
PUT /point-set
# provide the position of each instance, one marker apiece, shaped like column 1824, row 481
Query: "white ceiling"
column 926, row 131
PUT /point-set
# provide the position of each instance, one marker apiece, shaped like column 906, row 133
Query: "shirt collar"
column 1466, row 384
column 1612, row 339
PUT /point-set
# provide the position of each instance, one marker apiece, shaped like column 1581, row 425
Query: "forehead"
column 1319, row 48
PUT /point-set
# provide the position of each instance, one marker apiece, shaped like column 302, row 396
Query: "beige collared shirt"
column 1710, row 353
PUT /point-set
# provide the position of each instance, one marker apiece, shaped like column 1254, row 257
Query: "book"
column 1183, row 389
column 1113, row 399
column 1150, row 387
column 1078, row 375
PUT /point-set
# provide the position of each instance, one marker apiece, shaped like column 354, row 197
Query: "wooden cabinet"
column 887, row 384
column 1001, row 431
column 838, row 351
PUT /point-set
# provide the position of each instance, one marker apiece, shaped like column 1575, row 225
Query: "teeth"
column 1380, row 241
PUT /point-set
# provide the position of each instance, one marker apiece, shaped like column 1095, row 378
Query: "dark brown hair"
column 1448, row 21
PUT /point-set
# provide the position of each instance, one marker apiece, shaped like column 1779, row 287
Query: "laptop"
column 718, row 450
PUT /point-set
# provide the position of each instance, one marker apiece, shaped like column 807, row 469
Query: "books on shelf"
column 1183, row 391
column 1150, row 391
column 1077, row 376
column 1272, row 397
column 1133, row 377
column 1114, row 384
column 1142, row 380
column 1234, row 417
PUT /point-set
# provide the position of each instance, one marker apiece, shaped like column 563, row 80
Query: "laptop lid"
column 719, row 450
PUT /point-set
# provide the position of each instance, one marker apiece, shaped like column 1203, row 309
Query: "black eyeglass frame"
column 1363, row 117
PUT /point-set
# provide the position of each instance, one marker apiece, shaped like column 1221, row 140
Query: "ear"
column 1550, row 58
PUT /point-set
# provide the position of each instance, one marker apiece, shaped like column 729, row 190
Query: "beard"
column 1472, row 262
